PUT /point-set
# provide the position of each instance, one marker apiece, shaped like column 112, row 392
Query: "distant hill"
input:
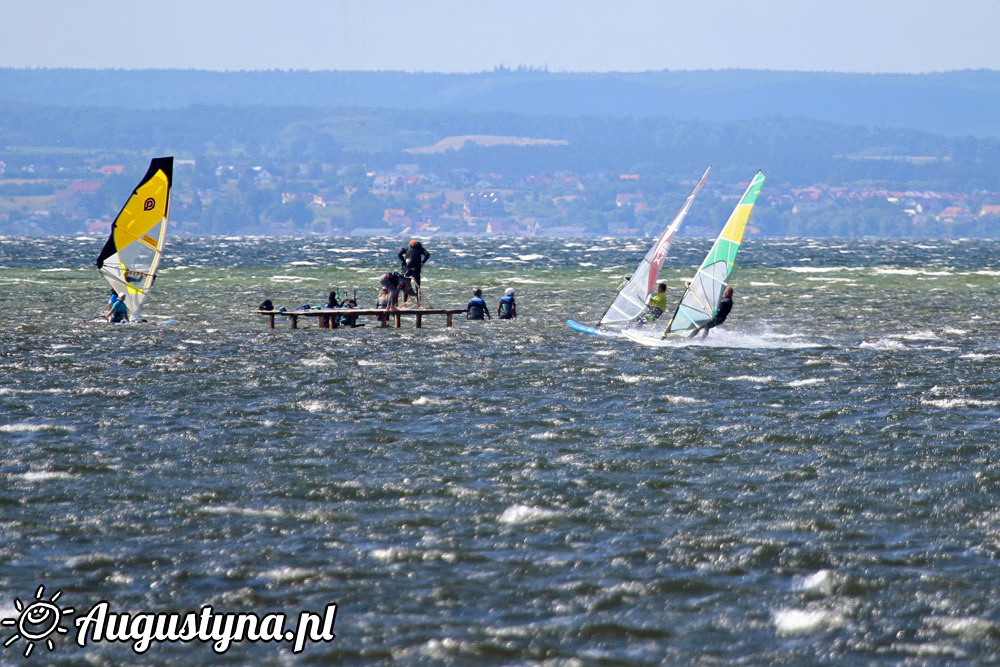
column 949, row 103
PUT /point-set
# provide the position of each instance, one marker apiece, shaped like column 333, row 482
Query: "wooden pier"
column 329, row 318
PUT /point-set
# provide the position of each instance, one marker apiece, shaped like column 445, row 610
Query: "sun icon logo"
column 38, row 621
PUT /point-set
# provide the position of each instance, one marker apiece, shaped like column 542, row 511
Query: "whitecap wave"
column 806, row 382
column 806, row 621
column 758, row 379
column 822, row 581
column 44, row 475
column 520, row 514
column 882, row 344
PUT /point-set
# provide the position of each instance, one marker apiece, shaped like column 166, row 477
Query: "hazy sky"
column 472, row 36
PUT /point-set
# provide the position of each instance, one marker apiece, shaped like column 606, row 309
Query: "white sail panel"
column 631, row 299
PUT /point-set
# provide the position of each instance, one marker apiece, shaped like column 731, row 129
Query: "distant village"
column 327, row 199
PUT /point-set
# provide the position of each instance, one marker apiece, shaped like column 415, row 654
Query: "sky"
column 903, row 36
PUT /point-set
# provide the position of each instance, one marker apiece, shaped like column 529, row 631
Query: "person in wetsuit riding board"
column 725, row 305
column 655, row 305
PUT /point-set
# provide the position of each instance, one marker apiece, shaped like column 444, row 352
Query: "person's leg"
column 416, row 282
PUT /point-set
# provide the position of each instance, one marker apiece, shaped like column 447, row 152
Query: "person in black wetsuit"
column 413, row 258
column 725, row 305
column 477, row 307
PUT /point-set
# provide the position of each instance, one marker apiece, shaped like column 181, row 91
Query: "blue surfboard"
column 583, row 328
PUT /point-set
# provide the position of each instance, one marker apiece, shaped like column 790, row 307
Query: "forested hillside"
column 949, row 103
column 296, row 165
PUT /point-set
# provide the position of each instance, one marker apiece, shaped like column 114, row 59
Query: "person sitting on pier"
column 477, row 306
column 382, row 300
column 331, row 300
column 349, row 320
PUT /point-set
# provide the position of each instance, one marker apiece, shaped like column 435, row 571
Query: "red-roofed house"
column 952, row 214
column 629, row 199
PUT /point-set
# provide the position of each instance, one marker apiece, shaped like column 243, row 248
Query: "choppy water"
column 817, row 483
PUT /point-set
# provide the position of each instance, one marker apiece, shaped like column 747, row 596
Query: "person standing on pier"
column 395, row 283
column 413, row 257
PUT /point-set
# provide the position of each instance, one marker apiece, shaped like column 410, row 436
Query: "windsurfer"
column 725, row 305
column 119, row 311
column 111, row 302
column 655, row 305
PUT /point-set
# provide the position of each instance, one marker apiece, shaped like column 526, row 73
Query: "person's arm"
column 426, row 256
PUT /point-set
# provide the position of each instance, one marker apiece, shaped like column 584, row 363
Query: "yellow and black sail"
column 132, row 253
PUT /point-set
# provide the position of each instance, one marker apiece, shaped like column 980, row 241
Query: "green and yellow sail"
column 700, row 302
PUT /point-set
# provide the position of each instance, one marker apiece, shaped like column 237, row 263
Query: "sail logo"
column 149, row 204
column 37, row 621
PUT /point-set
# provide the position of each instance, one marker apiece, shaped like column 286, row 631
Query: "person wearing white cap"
column 507, row 310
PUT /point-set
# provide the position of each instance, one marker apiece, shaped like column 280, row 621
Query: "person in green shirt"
column 656, row 304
